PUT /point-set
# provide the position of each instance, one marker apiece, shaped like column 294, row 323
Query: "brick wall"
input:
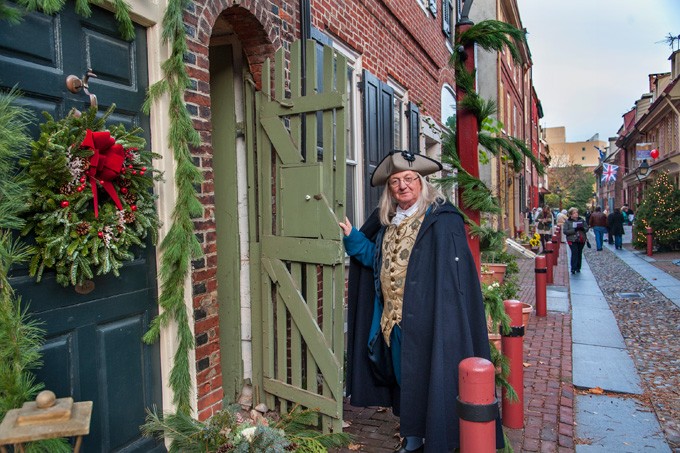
column 396, row 39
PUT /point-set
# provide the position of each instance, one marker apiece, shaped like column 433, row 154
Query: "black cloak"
column 443, row 322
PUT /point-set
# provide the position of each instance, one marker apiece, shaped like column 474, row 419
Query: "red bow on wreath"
column 105, row 164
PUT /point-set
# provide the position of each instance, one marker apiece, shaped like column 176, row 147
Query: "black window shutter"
column 413, row 128
column 446, row 17
column 378, row 99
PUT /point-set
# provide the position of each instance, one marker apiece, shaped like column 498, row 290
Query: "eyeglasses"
column 408, row 180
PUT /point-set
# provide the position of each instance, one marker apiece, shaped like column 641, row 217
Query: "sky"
column 592, row 58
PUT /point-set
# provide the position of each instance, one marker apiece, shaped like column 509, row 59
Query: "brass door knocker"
column 75, row 85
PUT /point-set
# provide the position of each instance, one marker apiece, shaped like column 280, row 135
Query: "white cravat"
column 402, row 214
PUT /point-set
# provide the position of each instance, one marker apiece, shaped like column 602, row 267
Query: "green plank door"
column 299, row 350
column 93, row 349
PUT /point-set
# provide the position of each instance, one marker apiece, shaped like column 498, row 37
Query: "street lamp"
column 558, row 192
column 642, row 170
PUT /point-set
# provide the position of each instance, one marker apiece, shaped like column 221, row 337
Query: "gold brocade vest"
column 396, row 251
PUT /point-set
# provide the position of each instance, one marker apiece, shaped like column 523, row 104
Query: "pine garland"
column 71, row 238
column 180, row 244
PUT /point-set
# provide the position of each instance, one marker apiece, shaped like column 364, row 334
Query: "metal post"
column 650, row 241
column 513, row 412
column 556, row 247
column 541, row 286
column 477, row 405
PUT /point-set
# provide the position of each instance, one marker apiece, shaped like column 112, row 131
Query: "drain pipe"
column 305, row 34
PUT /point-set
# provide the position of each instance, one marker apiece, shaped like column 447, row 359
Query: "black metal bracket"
column 515, row 331
column 477, row 412
column 540, row 270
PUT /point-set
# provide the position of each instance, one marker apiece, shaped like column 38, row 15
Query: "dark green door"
column 94, row 349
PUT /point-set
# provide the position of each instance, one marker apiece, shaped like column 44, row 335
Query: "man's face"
column 405, row 187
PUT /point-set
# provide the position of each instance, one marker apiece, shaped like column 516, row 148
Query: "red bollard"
column 541, row 286
column 513, row 413
column 556, row 248
column 549, row 261
column 650, row 241
column 477, row 405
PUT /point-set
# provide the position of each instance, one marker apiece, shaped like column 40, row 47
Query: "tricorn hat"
column 397, row 161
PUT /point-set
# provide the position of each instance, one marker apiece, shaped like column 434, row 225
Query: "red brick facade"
column 398, row 39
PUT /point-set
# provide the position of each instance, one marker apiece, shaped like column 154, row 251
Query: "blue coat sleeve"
column 359, row 247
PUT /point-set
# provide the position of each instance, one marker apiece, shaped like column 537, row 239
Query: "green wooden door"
column 93, row 349
column 296, row 246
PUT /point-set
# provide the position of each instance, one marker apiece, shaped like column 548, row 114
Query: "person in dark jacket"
column 414, row 287
column 598, row 222
column 615, row 225
column 575, row 228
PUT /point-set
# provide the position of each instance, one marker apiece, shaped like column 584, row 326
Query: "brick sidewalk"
column 548, row 388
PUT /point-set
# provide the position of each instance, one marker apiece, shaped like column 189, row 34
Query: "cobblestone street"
column 650, row 325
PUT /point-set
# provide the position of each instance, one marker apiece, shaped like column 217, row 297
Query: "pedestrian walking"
column 575, row 228
column 424, row 324
column 598, row 222
column 544, row 225
column 615, row 225
column 559, row 221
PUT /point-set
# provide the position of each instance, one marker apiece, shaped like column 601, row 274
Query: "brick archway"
column 252, row 23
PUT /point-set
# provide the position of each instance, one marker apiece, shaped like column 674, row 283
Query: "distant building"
column 564, row 154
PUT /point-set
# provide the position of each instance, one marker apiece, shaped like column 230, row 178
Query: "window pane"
column 397, row 123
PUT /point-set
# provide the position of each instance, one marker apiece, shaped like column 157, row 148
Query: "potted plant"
column 535, row 242
column 486, row 275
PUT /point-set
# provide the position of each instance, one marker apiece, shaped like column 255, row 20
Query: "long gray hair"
column 429, row 196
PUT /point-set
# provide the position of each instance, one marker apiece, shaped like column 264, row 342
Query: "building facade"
column 375, row 77
column 653, row 124
column 510, row 86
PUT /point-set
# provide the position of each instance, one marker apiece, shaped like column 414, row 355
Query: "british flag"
column 609, row 172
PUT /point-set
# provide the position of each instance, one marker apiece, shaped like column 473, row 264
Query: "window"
column 448, row 19
column 508, row 118
column 433, row 7
column 448, row 104
column 398, row 115
column 353, row 207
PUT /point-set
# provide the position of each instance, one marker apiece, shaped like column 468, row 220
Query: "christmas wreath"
column 91, row 197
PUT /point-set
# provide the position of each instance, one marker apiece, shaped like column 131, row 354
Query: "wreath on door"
column 91, row 199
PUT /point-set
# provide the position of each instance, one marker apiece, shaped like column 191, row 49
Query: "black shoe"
column 578, row 271
column 573, row 272
column 403, row 449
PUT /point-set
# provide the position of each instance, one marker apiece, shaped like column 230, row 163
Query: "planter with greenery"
column 232, row 430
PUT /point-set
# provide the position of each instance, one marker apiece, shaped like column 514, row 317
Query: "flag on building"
column 609, row 172
column 602, row 153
